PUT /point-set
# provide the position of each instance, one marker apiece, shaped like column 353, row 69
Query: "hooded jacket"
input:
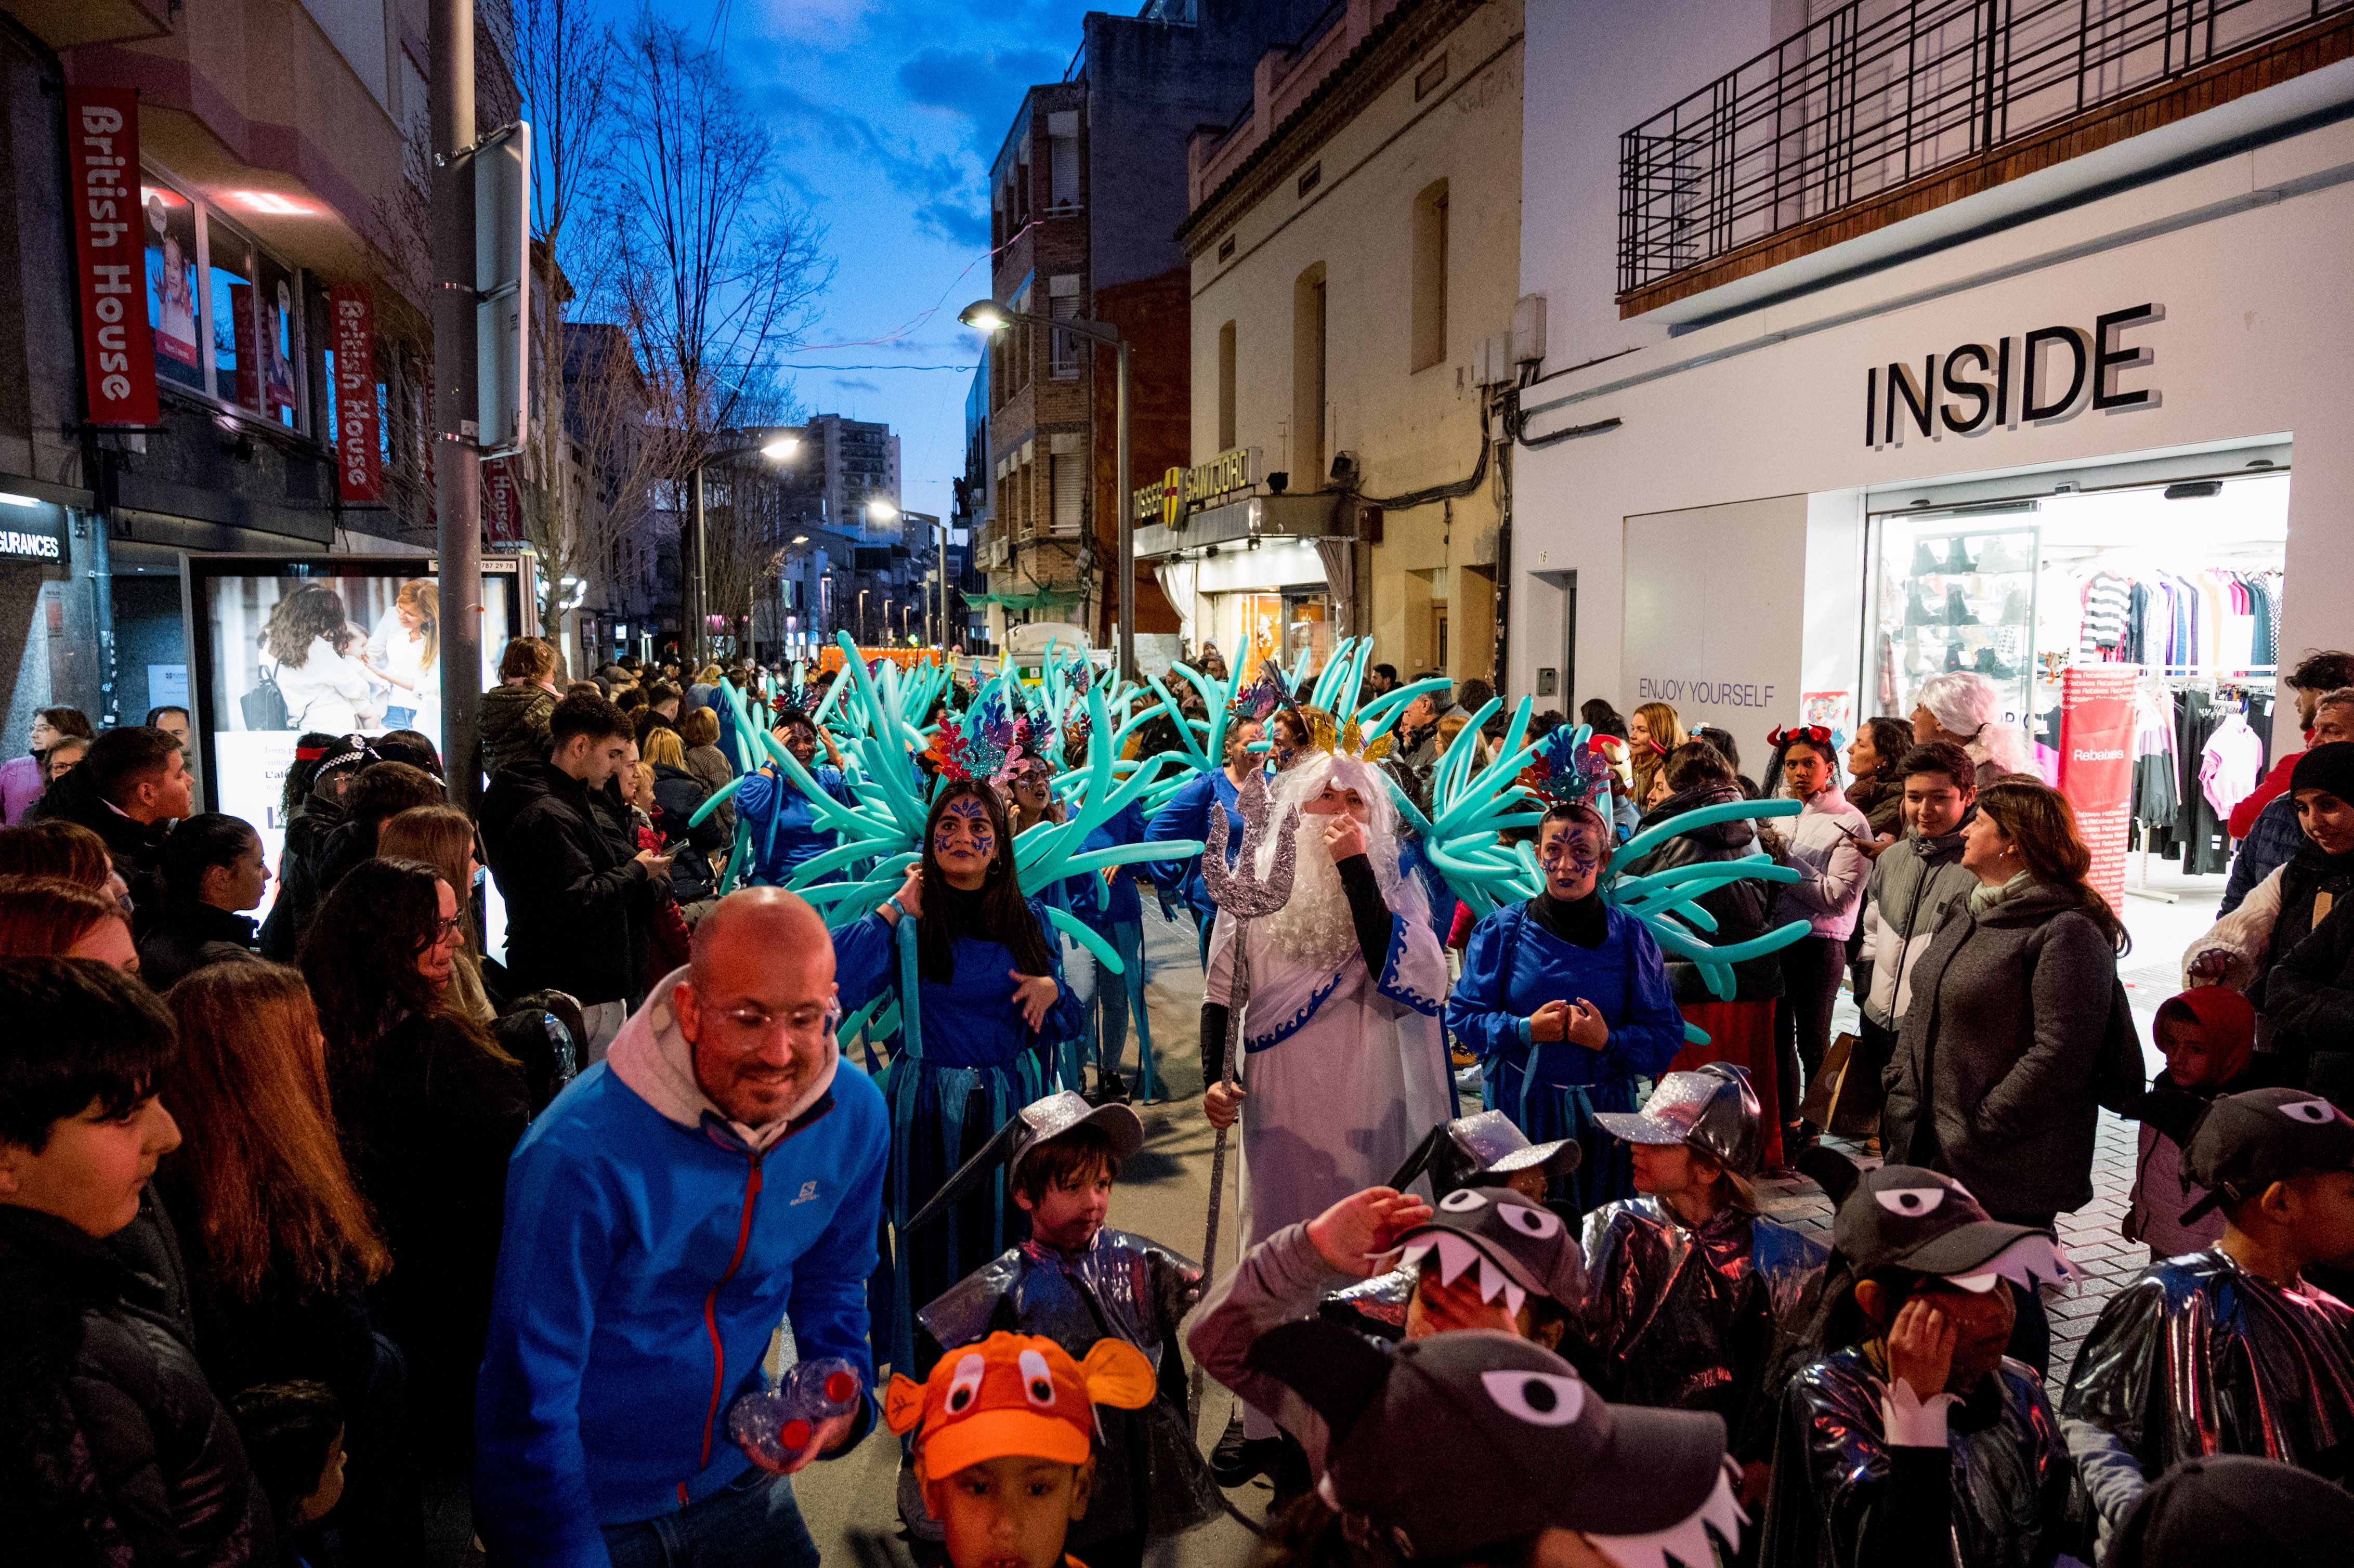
column 113, row 1447
column 1743, row 909
column 570, row 893
column 1914, row 883
column 298, row 873
column 1831, row 870
column 187, row 937
column 678, row 794
column 514, row 725
column 1993, row 1081
column 2160, row 1191
column 653, row 1249
column 2309, row 998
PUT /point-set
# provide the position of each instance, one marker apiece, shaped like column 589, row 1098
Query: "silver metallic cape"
column 1124, row 1286
column 2199, row 1357
column 1690, row 1318
column 2013, row 1488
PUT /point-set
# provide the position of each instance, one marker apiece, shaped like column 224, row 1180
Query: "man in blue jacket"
column 716, row 1177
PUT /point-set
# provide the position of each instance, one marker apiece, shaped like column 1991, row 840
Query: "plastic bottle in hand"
column 778, row 1425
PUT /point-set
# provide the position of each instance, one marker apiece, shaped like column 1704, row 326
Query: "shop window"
column 1226, row 387
column 171, row 305
column 1306, row 627
column 278, row 323
column 1430, row 277
column 237, row 369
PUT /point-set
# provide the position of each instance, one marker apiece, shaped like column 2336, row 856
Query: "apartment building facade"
column 1086, row 196
column 1353, row 239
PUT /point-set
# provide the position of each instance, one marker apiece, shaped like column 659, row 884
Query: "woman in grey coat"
column 1994, row 1080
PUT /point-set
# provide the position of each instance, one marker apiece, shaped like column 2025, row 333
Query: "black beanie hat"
column 2329, row 768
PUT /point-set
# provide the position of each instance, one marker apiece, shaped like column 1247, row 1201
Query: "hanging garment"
column 2231, row 763
column 2206, row 846
column 2107, row 597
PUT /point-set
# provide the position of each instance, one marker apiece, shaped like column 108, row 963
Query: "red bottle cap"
column 795, row 1435
column 841, row 1387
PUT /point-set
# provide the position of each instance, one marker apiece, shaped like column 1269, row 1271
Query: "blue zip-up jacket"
column 651, row 1251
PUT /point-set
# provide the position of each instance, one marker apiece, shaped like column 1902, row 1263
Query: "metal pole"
column 697, row 583
column 457, row 468
column 1127, row 532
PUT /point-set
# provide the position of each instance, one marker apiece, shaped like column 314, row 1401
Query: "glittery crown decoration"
column 1565, row 769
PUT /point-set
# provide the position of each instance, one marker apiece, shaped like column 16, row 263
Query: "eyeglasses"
column 758, row 1022
column 448, row 930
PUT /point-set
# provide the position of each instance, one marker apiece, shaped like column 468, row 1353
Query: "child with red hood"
column 2209, row 1035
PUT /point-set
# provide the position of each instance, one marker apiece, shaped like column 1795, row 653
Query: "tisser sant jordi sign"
column 1973, row 387
column 118, row 348
column 1183, row 490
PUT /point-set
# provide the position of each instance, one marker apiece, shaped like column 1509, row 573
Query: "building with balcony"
column 1354, row 238
column 1087, row 193
column 1886, row 338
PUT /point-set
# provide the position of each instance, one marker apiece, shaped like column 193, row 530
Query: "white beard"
column 1313, row 928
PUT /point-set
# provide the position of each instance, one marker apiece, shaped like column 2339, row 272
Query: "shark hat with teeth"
column 2247, row 1142
column 1518, row 1247
column 1462, row 1440
column 1484, row 1151
column 1901, row 1216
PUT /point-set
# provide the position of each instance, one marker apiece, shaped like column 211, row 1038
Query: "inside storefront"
column 2179, row 578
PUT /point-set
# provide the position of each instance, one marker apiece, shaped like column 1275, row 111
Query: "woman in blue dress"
column 785, row 828
column 980, row 988
column 1566, row 1002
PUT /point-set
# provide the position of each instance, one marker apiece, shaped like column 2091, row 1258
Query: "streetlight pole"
column 988, row 316
column 457, row 467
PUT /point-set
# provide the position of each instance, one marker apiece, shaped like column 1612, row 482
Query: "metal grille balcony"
column 1882, row 93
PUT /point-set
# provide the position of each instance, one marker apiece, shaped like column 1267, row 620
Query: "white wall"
column 358, row 29
column 1597, row 68
column 2247, row 255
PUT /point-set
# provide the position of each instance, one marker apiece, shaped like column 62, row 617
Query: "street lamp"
column 861, row 613
column 988, row 316
column 777, row 447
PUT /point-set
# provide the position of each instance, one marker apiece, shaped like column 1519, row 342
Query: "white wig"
column 1314, row 926
column 1970, row 706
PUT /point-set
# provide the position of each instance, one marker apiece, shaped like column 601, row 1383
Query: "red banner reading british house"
column 359, row 456
column 118, row 349
column 502, row 506
column 2096, row 731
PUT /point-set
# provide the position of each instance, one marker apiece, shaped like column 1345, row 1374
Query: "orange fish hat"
column 1015, row 1393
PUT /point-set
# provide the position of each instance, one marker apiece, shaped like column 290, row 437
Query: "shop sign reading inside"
column 2045, row 378
column 118, row 349
column 1183, row 490
column 359, row 460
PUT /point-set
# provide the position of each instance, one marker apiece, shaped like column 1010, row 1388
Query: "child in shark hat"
column 1906, row 1435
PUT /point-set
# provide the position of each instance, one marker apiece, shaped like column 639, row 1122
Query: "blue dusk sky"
column 886, row 114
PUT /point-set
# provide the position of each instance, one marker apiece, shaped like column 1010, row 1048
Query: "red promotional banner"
column 118, row 350
column 359, row 455
column 2096, row 731
column 502, row 506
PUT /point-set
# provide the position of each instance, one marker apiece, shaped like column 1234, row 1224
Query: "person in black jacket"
column 571, row 890
column 212, row 869
column 128, row 788
column 429, row 1108
column 380, row 791
column 112, row 1447
column 698, row 853
column 312, row 806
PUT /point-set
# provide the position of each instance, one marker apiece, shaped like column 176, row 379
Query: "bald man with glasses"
column 716, row 1176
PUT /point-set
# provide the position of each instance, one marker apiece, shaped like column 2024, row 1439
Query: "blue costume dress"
column 1186, row 815
column 785, row 831
column 964, row 1063
column 1513, row 966
column 1116, row 912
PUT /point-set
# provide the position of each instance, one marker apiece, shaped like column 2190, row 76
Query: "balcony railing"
column 1883, row 92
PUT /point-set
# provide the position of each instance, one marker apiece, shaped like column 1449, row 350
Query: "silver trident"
column 1244, row 898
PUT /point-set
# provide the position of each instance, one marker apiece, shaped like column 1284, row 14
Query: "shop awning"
column 1254, row 517
column 1043, row 598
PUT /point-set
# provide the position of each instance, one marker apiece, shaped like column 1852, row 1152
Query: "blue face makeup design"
column 977, row 838
column 1570, row 855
